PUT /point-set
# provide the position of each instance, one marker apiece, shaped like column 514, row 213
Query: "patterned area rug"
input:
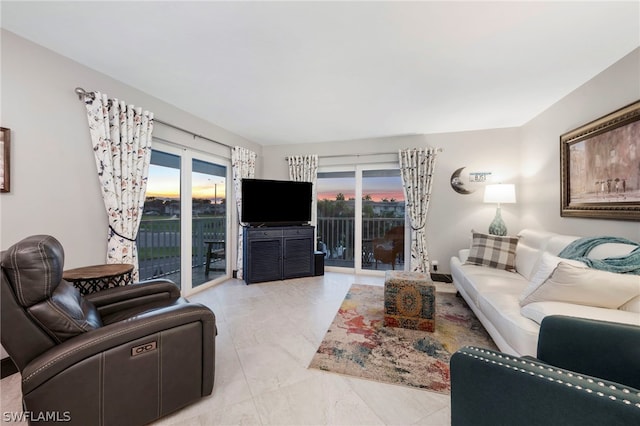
column 357, row 343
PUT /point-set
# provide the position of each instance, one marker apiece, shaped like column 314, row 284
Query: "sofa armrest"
column 492, row 388
column 463, row 255
column 73, row 351
column 604, row 349
column 129, row 296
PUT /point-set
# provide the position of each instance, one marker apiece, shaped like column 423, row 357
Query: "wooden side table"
column 90, row 279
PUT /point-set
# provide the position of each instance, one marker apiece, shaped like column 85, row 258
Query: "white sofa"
column 494, row 295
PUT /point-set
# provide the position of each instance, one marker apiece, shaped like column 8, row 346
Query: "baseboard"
column 8, row 367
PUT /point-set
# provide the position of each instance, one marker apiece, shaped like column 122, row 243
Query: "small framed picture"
column 5, row 156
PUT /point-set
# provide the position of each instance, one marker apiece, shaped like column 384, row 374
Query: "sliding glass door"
column 336, row 217
column 159, row 236
column 383, row 224
column 184, row 230
column 208, row 221
column 374, row 195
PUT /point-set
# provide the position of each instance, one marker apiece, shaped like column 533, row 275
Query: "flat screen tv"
column 275, row 202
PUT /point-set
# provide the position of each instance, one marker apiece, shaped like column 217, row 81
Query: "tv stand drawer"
column 299, row 232
column 264, row 233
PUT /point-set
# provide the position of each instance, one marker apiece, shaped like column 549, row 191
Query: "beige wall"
column 54, row 187
column 617, row 86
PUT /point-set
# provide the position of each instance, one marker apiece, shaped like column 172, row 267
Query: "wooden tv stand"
column 277, row 253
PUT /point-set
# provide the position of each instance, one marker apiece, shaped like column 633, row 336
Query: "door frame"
column 186, row 215
column 357, row 232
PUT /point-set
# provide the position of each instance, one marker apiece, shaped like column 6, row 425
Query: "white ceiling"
column 299, row 72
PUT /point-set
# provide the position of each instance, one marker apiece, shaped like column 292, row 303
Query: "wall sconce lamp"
column 499, row 193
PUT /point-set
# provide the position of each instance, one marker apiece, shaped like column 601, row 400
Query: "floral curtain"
column 121, row 137
column 304, row 168
column 243, row 165
column 417, row 167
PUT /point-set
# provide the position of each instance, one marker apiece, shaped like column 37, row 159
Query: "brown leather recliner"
column 122, row 356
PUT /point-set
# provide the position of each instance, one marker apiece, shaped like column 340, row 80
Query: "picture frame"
column 600, row 167
column 5, row 159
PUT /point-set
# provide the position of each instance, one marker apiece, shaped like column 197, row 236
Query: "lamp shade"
column 500, row 193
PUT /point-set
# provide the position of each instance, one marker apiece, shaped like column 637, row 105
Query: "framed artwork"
column 600, row 167
column 5, row 151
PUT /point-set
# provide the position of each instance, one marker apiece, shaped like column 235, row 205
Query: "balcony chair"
column 587, row 372
column 215, row 252
column 122, row 356
column 387, row 248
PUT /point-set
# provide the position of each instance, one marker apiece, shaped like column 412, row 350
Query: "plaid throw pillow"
column 494, row 251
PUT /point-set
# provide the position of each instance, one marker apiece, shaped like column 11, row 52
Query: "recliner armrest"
column 129, row 296
column 492, row 388
column 608, row 350
column 79, row 348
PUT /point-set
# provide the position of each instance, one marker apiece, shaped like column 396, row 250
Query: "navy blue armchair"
column 586, row 372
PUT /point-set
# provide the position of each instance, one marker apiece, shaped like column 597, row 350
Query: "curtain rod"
column 366, row 154
column 81, row 92
column 351, row 155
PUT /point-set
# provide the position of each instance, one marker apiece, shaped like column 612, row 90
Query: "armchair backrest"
column 39, row 309
column 604, row 349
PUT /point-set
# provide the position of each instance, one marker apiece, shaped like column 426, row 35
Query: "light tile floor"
column 267, row 336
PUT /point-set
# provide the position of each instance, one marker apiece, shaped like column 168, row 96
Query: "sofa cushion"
column 632, row 305
column 479, row 279
column 531, row 245
column 535, row 238
column 538, row 310
column 503, row 312
column 586, row 286
column 558, row 242
column 544, row 269
column 493, row 251
column 526, row 260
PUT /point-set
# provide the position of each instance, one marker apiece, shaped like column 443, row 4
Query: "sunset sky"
column 377, row 187
column 164, row 182
column 378, row 196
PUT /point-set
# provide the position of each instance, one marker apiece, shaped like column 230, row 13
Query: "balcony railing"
column 159, row 244
column 159, row 240
column 337, row 233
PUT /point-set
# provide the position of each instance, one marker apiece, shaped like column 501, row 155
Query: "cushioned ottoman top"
column 404, row 277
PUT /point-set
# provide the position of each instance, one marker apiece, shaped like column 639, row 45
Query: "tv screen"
column 275, row 202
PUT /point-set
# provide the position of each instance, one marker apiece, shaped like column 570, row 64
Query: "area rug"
column 357, row 344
